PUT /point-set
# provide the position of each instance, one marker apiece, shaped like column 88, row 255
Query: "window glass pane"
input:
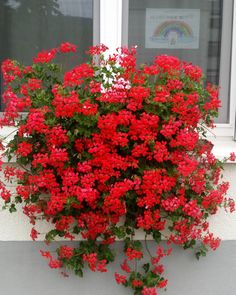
column 191, row 30
column 28, row 26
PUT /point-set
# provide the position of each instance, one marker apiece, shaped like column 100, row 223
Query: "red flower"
column 101, row 266
column 98, row 49
column 209, row 240
column 67, row 47
column 46, row 254
column 45, row 56
column 24, row 149
column 34, row 84
column 193, row 72
column 162, row 284
column 170, row 64
column 92, row 260
column 137, row 283
column 77, row 75
column 55, row 263
column 133, row 254
column 34, row 234
column 149, row 291
column 120, row 279
column 125, row 267
column 232, row 157
column 66, row 252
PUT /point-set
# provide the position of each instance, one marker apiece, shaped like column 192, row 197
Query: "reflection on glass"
column 190, row 30
column 27, row 27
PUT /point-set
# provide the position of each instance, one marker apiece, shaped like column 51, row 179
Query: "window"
column 46, row 23
column 27, row 27
column 198, row 31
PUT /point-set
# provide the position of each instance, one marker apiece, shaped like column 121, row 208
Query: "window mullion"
column 111, row 23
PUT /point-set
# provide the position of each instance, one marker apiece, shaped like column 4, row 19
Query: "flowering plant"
column 105, row 149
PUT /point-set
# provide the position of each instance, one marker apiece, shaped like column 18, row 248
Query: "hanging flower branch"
column 105, row 149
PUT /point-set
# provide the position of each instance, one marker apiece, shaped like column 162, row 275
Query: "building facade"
column 198, row 31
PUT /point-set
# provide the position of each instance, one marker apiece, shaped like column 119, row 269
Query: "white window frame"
column 228, row 130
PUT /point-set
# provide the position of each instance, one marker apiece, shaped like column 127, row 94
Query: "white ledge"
column 223, row 146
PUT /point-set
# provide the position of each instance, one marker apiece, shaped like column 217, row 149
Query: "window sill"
column 223, row 146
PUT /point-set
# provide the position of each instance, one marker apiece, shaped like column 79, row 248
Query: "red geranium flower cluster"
column 106, row 149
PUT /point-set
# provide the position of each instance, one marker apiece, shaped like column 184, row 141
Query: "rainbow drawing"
column 172, row 28
column 180, row 28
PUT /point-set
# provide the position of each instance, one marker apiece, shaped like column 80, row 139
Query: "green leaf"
column 12, row 208
column 50, row 236
column 146, row 267
column 119, row 231
column 202, row 251
column 18, row 199
column 189, row 244
column 157, row 236
column 79, row 272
